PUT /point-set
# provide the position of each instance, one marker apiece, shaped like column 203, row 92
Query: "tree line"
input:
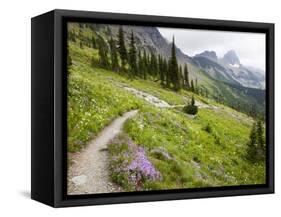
column 122, row 57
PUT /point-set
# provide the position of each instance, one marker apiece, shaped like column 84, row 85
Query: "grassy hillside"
column 172, row 149
column 222, row 92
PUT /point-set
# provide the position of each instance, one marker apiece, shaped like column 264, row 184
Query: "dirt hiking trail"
column 88, row 172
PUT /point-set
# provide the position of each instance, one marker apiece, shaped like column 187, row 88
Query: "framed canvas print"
column 133, row 108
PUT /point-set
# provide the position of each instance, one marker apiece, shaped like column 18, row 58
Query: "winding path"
column 89, row 173
column 161, row 103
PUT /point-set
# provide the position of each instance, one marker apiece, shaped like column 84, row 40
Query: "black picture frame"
column 49, row 81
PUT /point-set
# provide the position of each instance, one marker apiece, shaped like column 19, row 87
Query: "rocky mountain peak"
column 208, row 54
column 231, row 58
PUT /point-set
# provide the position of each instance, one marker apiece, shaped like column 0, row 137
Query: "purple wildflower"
column 133, row 165
column 142, row 168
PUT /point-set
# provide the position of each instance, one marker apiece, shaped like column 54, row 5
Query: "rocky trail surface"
column 161, row 103
column 88, row 173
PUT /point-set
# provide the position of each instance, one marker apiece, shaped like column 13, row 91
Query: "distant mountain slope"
column 148, row 38
column 229, row 69
column 214, row 69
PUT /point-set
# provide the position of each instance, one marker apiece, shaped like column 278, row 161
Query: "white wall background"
column 15, row 106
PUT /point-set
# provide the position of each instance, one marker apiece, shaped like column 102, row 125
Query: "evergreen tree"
column 103, row 61
column 153, row 65
column 145, row 65
column 192, row 101
column 94, row 43
column 252, row 144
column 181, row 76
column 149, row 65
column 161, row 69
column 158, row 63
column 165, row 72
column 186, row 77
column 132, row 56
column 113, row 55
column 260, row 137
column 168, row 73
column 192, row 86
column 122, row 48
column 103, row 55
column 196, row 86
column 173, row 68
column 191, row 108
column 256, row 144
column 140, row 64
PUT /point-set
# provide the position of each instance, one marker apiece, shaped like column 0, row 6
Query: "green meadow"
column 179, row 150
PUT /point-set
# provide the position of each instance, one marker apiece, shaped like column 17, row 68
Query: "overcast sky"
column 250, row 47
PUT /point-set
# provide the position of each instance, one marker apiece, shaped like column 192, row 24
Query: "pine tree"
column 159, row 66
column 113, row 55
column 169, row 77
column 186, row 77
column 94, row 43
column 122, row 48
column 161, row 69
column 165, row 72
column 191, row 108
column 103, row 61
column 173, row 68
column 256, row 144
column 132, row 57
column 145, row 65
column 103, row 56
column 251, row 152
column 149, row 68
column 192, row 101
column 181, row 76
column 260, row 138
column 153, row 65
column 196, row 86
column 140, row 64
column 192, row 86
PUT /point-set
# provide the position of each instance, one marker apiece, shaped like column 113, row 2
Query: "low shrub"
column 191, row 108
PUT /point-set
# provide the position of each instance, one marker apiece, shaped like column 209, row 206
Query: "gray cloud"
column 250, row 47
